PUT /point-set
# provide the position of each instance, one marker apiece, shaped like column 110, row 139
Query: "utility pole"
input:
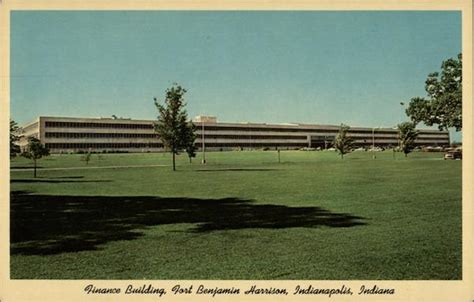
column 373, row 143
column 203, row 144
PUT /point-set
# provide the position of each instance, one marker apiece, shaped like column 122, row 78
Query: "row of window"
column 98, row 135
column 255, row 145
column 51, row 124
column 249, row 137
column 311, row 130
column 432, row 139
column 154, row 145
column 385, row 139
column 209, row 136
column 102, row 145
column 153, row 135
column 265, row 129
column 209, row 145
column 322, row 138
column 214, row 136
column 300, row 145
column 97, row 125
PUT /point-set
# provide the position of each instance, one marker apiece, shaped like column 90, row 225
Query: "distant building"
column 72, row 134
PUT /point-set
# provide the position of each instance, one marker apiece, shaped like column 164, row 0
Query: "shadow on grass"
column 235, row 169
column 32, row 180
column 24, row 167
column 47, row 224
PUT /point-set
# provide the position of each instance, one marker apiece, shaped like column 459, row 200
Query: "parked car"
column 456, row 154
column 434, row 149
column 376, row 149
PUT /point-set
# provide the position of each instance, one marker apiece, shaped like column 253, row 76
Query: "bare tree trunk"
column 174, row 160
column 34, row 169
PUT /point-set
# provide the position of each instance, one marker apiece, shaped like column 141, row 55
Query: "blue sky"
column 274, row 67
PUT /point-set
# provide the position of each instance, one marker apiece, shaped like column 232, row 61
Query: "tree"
column 443, row 106
column 87, row 157
column 34, row 151
column 190, row 141
column 14, row 138
column 172, row 126
column 407, row 135
column 342, row 142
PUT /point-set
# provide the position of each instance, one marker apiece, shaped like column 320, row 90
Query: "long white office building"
column 76, row 134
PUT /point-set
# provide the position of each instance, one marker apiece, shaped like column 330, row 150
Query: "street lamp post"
column 203, row 144
column 398, row 142
column 373, row 143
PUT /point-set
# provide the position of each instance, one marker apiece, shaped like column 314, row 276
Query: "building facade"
column 71, row 134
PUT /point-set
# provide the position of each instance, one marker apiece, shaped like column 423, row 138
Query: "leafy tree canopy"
column 172, row 126
column 34, row 151
column 14, row 138
column 443, row 107
column 407, row 136
column 343, row 143
column 191, row 147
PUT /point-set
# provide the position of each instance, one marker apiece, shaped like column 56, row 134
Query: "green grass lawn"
column 241, row 216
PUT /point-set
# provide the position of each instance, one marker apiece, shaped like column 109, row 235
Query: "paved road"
column 85, row 168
